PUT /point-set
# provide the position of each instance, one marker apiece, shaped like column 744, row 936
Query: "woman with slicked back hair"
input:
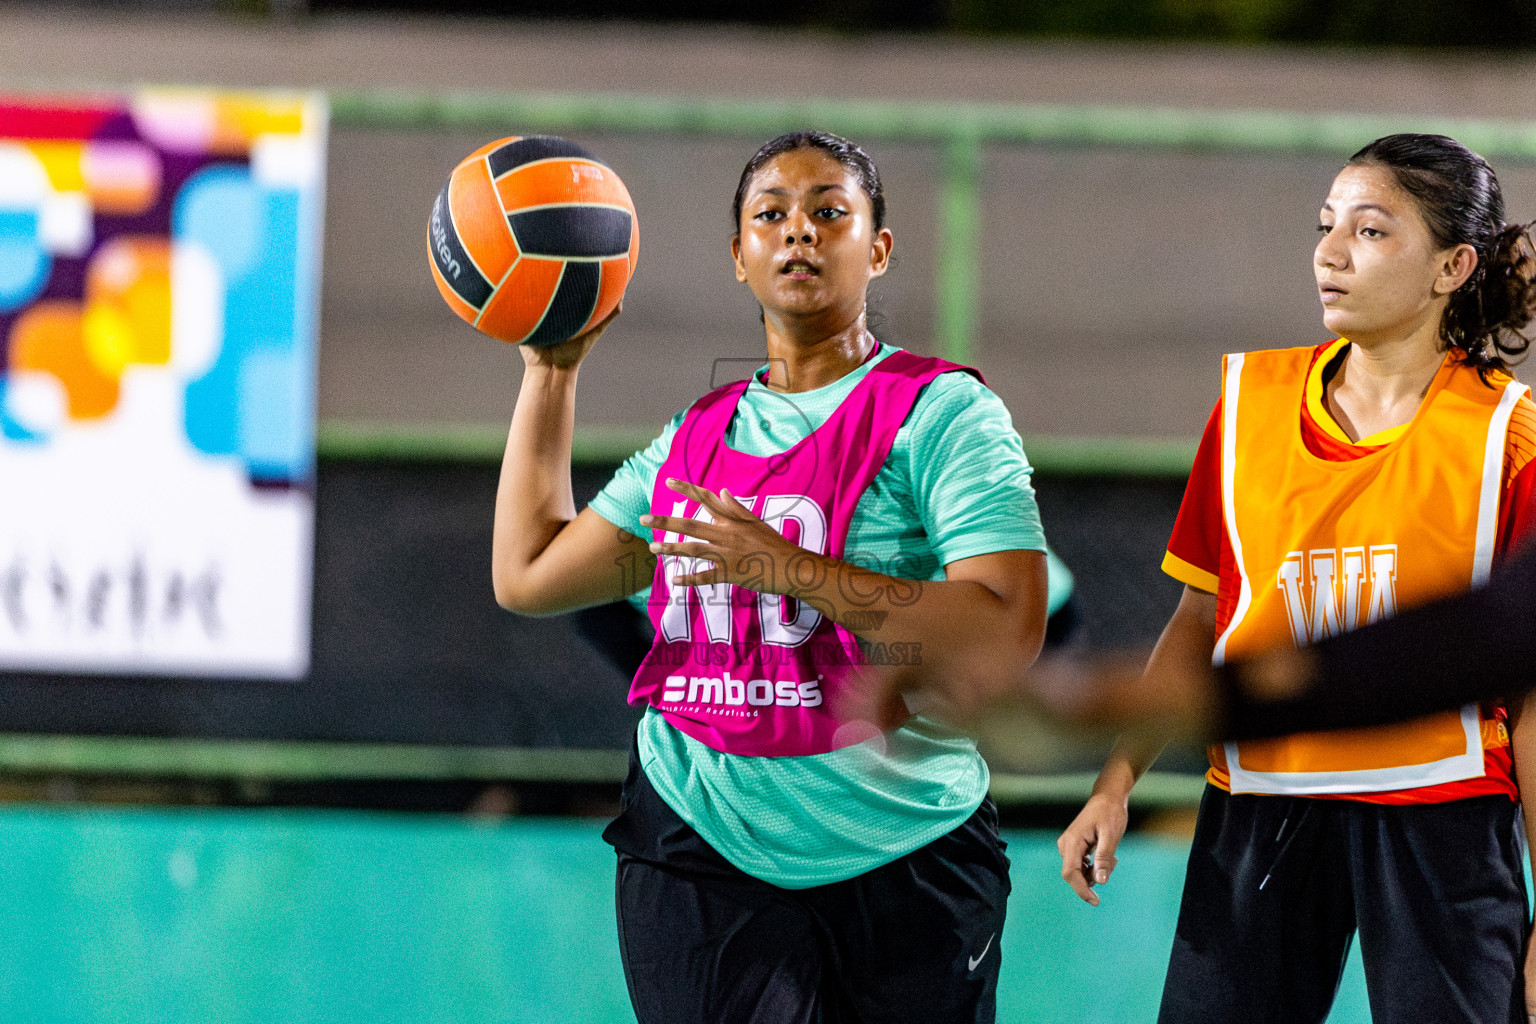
column 850, row 503
column 1335, row 485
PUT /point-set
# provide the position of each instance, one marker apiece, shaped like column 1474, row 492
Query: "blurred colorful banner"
column 159, row 292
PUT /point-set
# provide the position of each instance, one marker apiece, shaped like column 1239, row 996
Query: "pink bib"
column 755, row 674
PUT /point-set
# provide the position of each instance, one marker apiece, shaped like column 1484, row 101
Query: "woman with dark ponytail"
column 1461, row 202
column 1335, row 485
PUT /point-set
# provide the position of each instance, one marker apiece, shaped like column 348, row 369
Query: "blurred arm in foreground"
column 1474, row 647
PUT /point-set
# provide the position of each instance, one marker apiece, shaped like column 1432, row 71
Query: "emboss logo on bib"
column 757, row 693
column 1331, row 590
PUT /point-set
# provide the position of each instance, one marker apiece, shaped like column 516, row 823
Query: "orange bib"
column 1323, row 547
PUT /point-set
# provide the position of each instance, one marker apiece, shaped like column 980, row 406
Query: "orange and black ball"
column 533, row 240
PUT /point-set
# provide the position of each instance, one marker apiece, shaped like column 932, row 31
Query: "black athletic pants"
column 1278, row 886
column 917, row 940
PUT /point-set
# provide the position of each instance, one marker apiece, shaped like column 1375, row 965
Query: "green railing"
column 1060, row 456
column 961, row 132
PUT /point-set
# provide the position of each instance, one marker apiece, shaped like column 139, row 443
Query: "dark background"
column 410, row 647
column 1436, row 24
column 1498, row 24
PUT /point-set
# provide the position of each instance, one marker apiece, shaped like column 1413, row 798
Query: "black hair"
column 850, row 155
column 1459, row 197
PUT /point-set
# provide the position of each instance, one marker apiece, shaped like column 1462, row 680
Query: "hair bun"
column 1509, row 286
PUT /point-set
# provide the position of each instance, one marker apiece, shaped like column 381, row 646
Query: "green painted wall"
column 232, row 916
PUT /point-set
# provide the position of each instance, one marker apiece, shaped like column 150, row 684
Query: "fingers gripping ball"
column 533, row 240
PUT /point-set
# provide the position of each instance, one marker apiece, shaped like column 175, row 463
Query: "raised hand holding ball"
column 533, row 240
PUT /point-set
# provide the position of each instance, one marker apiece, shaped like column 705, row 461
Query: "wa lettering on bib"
column 1330, row 590
column 1323, row 547
column 755, row 673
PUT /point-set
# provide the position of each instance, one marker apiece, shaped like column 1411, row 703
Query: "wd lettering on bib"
column 750, row 672
column 780, row 620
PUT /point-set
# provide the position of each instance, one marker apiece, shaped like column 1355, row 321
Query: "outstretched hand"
column 1118, row 691
column 740, row 548
column 569, row 353
column 887, row 695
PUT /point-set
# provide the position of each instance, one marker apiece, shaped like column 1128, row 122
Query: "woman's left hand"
column 745, row 551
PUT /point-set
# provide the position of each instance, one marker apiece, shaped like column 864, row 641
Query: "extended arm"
column 1476, row 646
column 545, row 558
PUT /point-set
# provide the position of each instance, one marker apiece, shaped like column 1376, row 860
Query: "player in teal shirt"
column 955, row 485
column 867, row 883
